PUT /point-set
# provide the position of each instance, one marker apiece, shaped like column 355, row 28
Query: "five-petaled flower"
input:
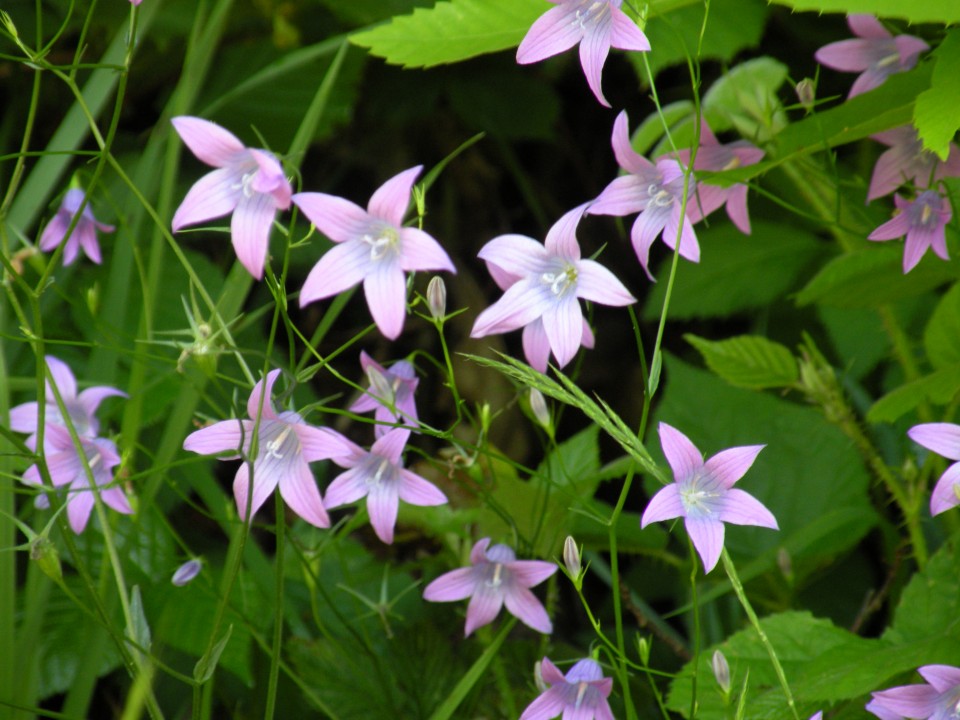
column 494, row 579
column 923, row 221
column 390, row 394
column 597, row 25
column 247, row 182
column 285, row 447
column 703, row 493
column 581, row 694
column 552, row 277
column 937, row 699
column 84, row 235
column 907, row 160
column 875, row 53
column 372, row 247
column 943, row 439
column 379, row 476
column 656, row 192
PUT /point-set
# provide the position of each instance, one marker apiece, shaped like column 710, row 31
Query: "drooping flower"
column 875, row 53
column 703, row 493
column 937, row 699
column 907, row 160
column 372, row 247
column 923, row 221
column 597, row 25
column 656, row 192
column 581, row 694
column 286, row 445
column 379, row 476
column 390, row 394
column 81, row 407
column 943, row 439
column 495, row 578
column 545, row 298
column 68, row 468
column 716, row 157
column 84, row 235
column 249, row 183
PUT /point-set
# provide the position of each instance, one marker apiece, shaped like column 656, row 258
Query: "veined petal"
column 648, row 225
column 386, row 292
column 728, row 466
column 914, row 701
column 79, row 507
column 337, row 218
column 665, row 505
column 622, row 196
column 416, row 490
column 628, row 158
column 942, row 438
column 62, row 378
column 211, row 143
column 891, row 170
column 895, row 228
column 547, row 706
column 116, row 499
column 865, row 25
column 624, row 32
column 742, row 508
column 737, row 208
column 594, row 48
column 455, row 585
column 391, row 199
column 551, row 34
column 419, row 251
column 91, row 398
column 23, row 418
column 214, row 195
column 944, row 495
column 86, row 237
column 682, row 455
column 391, row 445
column 523, row 605
column 854, row 55
column 483, row 608
column 382, row 505
column 322, row 443
column 942, row 677
column 561, row 239
column 340, row 268
column 532, row 572
column 536, row 346
column 270, row 180
column 265, row 478
column 689, row 247
column 707, row 537
column 563, row 323
column 346, row 488
column 250, row 231
column 521, row 304
column 54, row 232
column 260, row 402
column 597, row 284
column 299, row 490
column 219, row 437
column 514, row 255
column 478, row 553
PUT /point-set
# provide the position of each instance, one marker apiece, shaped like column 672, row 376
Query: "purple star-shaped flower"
column 597, row 25
column 875, row 53
column 923, row 221
column 80, row 407
column 286, row 445
column 247, row 182
column 84, row 235
column 581, row 694
column 379, row 476
column 656, row 192
column 937, row 699
column 907, row 160
column 372, row 247
column 716, row 157
column 68, row 469
column 943, row 439
column 390, row 394
column 494, row 579
column 552, row 279
column 703, row 493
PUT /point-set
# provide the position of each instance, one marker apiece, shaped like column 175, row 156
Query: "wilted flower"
column 379, row 476
column 907, row 160
column 247, row 182
column 581, row 694
column 875, row 53
column 703, row 493
column 372, row 247
column 390, row 394
column 495, row 578
column 923, row 222
column 186, row 572
column 656, row 192
column 943, row 439
column 285, row 447
column 552, row 279
column 937, row 699
column 597, row 25
column 84, row 235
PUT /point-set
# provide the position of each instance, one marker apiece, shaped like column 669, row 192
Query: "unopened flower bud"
column 643, row 650
column 538, row 406
column 721, row 671
column 437, row 298
column 571, row 557
column 45, row 553
column 186, row 572
column 785, row 563
column 538, row 677
column 806, row 93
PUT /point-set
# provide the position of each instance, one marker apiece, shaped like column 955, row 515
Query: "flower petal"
column 529, row 573
column 623, row 196
column 547, row 706
column 250, row 231
column 624, row 32
column 536, row 346
column 386, row 292
column 455, row 585
column 521, row 304
column 382, row 505
column 742, row 508
column 337, row 218
column 665, row 505
column 941, row 438
column 79, row 507
column 260, row 402
column 214, row 195
column 483, row 608
column 299, row 490
column 728, row 466
column 513, row 255
column 561, row 240
column 322, row 443
column 219, row 437
column 347, row 487
column 563, row 323
column 419, row 251
column 597, row 284
column 683, row 455
column 523, row 605
column 265, row 479
column 416, row 490
column 211, row 143
column 944, row 495
column 593, row 53
column 340, row 268
column 390, row 201
column 62, row 378
column 552, row 33
column 707, row 537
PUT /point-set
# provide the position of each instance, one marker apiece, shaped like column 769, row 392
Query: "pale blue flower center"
column 275, row 445
column 383, row 241
column 589, row 14
column 582, row 688
column 377, row 476
column 246, row 183
column 560, row 282
column 698, row 500
column 496, row 580
column 658, row 196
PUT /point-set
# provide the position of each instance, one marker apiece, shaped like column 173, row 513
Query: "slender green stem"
column 278, row 611
column 695, row 609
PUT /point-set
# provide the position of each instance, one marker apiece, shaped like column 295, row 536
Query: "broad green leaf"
column 941, row 338
column 858, row 338
column 367, row 12
column 932, row 11
column 745, row 98
column 748, row 361
column 936, row 114
column 940, row 387
column 930, row 604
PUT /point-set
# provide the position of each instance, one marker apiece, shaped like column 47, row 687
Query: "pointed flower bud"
column 721, row 671
column 806, row 93
column 186, row 572
column 538, row 406
column 571, row 558
column 45, row 553
column 437, row 298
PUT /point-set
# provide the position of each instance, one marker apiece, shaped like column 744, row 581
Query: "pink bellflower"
column 495, row 578
column 553, row 277
column 937, row 699
column 703, row 493
column 597, row 25
column 653, row 190
column 581, row 694
column 716, row 157
column 247, row 182
column 875, row 53
column 84, row 235
column 817, row 716
column 379, row 476
column 923, row 221
column 943, row 439
column 907, row 160
column 372, row 247
column 68, row 468
column 81, row 407
column 286, row 445
column 390, row 394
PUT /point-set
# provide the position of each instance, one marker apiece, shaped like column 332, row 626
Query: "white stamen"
column 382, row 243
column 560, row 282
column 582, row 687
column 273, row 447
column 659, row 197
column 378, row 475
column 697, row 499
column 495, row 581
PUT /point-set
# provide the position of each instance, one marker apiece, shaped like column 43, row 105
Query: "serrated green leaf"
column 940, row 388
column 931, row 601
column 936, row 113
column 748, row 361
column 941, row 338
column 933, row 11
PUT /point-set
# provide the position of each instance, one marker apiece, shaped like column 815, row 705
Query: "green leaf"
column 933, row 11
column 931, row 601
column 941, row 338
column 940, row 387
column 206, row 665
column 936, row 114
column 858, row 338
column 745, row 98
column 748, row 361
